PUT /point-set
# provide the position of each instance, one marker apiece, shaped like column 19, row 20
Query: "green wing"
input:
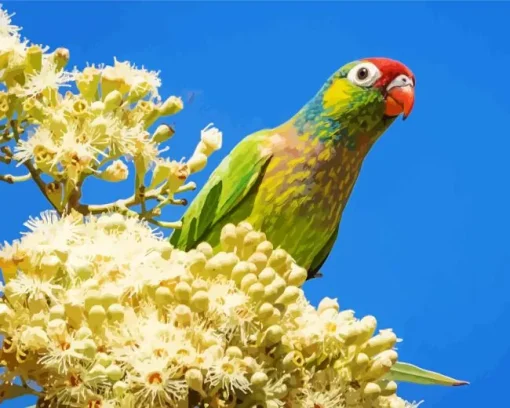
column 320, row 258
column 227, row 186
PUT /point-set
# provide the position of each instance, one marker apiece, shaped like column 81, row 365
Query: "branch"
column 33, row 171
column 154, row 194
column 10, row 179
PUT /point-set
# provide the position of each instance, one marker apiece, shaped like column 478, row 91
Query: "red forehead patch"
column 390, row 69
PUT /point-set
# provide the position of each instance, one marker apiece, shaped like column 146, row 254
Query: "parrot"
column 292, row 182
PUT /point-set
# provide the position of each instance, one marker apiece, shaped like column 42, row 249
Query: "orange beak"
column 400, row 99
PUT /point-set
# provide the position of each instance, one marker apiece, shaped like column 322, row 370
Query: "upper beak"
column 400, row 99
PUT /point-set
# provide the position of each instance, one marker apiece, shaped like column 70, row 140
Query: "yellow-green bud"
column 364, row 330
column 50, row 265
column 391, row 355
column 87, row 347
column 293, row 360
column 259, row 260
column 104, row 359
column 328, row 303
column 92, row 298
column 96, row 372
column 139, row 89
column 183, row 314
column 163, row 133
column 197, row 162
column 200, row 301
column 277, row 259
column 57, row 312
column 266, row 247
column 267, row 275
column 195, row 380
column 240, row 271
column 197, row 261
column 256, row 291
column 163, row 296
column 247, row 281
column 228, row 236
column 171, row 106
column 112, row 101
column 372, row 390
column 116, row 312
column 383, row 341
column 206, row 249
column 120, row 388
column 265, row 311
column 234, row 352
column 108, row 298
column 183, row 292
column 96, row 316
column 242, row 229
column 34, row 58
column 114, row 372
column 377, row 369
column 297, row 276
column 273, row 335
column 83, row 333
column 259, row 379
column 60, row 57
column 388, row 388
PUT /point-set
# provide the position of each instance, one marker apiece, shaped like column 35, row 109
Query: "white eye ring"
column 364, row 74
column 400, row 81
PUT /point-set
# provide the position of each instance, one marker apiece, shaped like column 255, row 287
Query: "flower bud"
column 273, row 335
column 163, row 133
column 211, row 137
column 293, row 360
column 112, row 101
column 183, row 314
column 247, row 281
column 259, row 260
column 200, row 301
column 383, row 341
column 92, row 298
column 206, row 249
column 114, row 372
column 57, row 312
column 197, row 162
column 256, row 291
column 267, row 275
column 388, row 388
column 328, row 303
column 183, row 292
column 228, row 237
column 34, row 59
column 377, row 369
column 240, row 271
column 265, row 311
column 60, row 57
column 104, row 359
column 371, row 390
column 297, row 276
column 391, row 355
column 196, row 262
column 163, row 296
column 242, row 229
column 364, row 330
column 116, row 312
column 120, row 388
column 195, row 381
column 171, row 106
column 289, row 295
column 266, row 247
column 277, row 259
column 83, row 333
column 259, row 379
column 96, row 316
column 234, row 352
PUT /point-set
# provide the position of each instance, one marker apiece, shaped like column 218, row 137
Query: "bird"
column 293, row 181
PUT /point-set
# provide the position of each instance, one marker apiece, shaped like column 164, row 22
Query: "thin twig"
column 165, row 224
column 9, row 178
column 33, row 171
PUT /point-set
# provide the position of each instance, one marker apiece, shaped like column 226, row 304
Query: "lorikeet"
column 292, row 182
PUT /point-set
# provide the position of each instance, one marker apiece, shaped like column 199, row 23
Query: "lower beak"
column 400, row 99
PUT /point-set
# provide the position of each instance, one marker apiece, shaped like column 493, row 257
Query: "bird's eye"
column 364, row 74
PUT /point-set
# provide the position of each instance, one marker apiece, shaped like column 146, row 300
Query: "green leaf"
column 406, row 372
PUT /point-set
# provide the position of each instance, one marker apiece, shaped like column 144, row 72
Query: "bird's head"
column 378, row 87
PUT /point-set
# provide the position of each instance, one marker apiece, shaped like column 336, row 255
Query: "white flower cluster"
column 66, row 137
column 102, row 312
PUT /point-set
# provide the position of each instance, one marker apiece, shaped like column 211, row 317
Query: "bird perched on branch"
column 292, row 182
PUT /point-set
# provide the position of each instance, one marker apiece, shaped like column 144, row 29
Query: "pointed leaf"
column 405, row 372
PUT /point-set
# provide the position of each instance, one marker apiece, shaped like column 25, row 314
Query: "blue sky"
column 424, row 240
